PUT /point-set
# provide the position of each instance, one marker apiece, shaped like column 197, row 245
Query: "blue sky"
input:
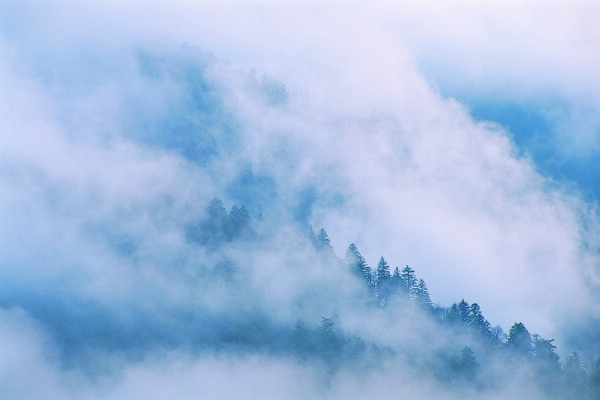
column 460, row 139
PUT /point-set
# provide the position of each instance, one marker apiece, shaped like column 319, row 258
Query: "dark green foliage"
column 238, row 222
column 219, row 226
column 422, row 295
column 464, row 312
column 519, row 340
column 330, row 339
column 575, row 379
column 466, row 367
column 544, row 354
column 409, row 281
column 453, row 315
column 478, row 325
column 328, row 345
column 323, row 242
column 382, row 281
column 357, row 264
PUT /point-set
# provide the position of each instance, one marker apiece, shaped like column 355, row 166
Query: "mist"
column 166, row 169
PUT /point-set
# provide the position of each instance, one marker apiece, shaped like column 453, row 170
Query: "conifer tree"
column 544, row 354
column 357, row 264
column 465, row 312
column 382, row 281
column 409, row 281
column 452, row 314
column 519, row 340
column 423, row 295
column 237, row 222
column 323, row 241
column 478, row 324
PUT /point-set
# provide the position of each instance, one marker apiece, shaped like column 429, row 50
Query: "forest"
column 475, row 354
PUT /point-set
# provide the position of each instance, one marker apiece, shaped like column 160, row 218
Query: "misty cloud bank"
column 122, row 275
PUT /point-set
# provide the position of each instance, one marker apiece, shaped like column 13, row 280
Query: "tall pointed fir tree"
column 465, row 312
column 357, row 264
column 479, row 325
column 519, row 340
column 409, row 281
column 422, row 295
column 323, row 241
column 396, row 280
column 382, row 281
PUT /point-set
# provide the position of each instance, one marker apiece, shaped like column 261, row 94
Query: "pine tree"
column 211, row 230
column 519, row 340
column 357, row 264
column 396, row 280
column 237, row 222
column 423, row 295
column 323, row 241
column 468, row 365
column 465, row 312
column 382, row 281
column 409, row 281
column 478, row 324
column 452, row 314
column 544, row 354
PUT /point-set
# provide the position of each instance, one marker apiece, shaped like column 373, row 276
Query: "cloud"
column 121, row 123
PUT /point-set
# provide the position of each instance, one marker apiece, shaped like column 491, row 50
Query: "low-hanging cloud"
column 112, row 144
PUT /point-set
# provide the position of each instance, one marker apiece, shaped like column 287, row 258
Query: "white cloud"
column 402, row 171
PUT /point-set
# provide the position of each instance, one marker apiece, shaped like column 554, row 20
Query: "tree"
column 478, row 324
column 409, row 281
column 331, row 340
column 423, row 295
column 544, row 355
column 237, row 222
column 576, row 378
column 382, row 281
column 323, row 241
column 225, row 269
column 519, row 340
column 357, row 264
column 211, row 230
column 452, row 314
column 497, row 334
column 464, row 311
column 468, row 365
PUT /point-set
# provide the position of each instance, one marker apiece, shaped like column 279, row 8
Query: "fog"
column 122, row 124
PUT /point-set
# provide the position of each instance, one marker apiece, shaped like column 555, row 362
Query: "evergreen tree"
column 468, row 365
column 423, row 294
column 382, row 281
column 331, row 340
column 519, row 340
column 544, row 355
column 357, row 264
column 409, row 281
column 323, row 241
column 452, row 314
column 575, row 378
column 498, row 334
column 225, row 269
column 395, row 283
column 478, row 324
column 464, row 311
column 238, row 221
column 212, row 230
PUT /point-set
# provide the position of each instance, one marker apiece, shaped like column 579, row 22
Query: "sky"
column 459, row 138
